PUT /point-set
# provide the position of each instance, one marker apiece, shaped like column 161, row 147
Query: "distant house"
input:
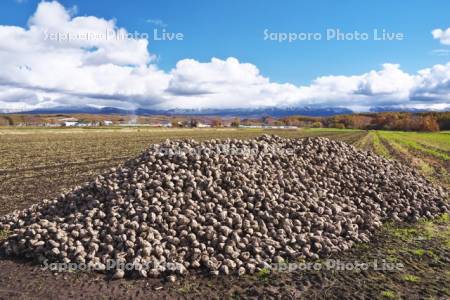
column 250, row 126
column 166, row 124
column 162, row 124
column 84, row 124
column 268, row 126
column 107, row 122
column 70, row 123
column 202, row 125
column 52, row 124
column 136, row 125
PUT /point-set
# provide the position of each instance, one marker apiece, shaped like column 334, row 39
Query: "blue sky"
column 224, row 29
column 218, row 28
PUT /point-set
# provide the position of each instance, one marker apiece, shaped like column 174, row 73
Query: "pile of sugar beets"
column 223, row 207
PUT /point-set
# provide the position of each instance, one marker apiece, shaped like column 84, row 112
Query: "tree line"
column 404, row 121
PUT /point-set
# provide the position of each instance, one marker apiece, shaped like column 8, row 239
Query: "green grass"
column 187, row 288
column 414, row 160
column 418, row 252
column 330, row 130
column 437, row 228
column 389, row 294
column 440, row 140
column 405, row 234
column 410, row 278
column 444, row 218
column 4, row 234
column 434, row 144
column 378, row 147
column 263, row 274
column 365, row 142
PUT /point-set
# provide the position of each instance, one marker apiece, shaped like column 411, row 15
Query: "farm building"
column 202, row 125
column 70, row 123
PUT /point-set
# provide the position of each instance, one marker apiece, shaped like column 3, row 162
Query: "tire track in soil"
column 67, row 164
column 441, row 168
column 417, row 163
column 364, row 142
column 393, row 152
column 352, row 137
column 433, row 148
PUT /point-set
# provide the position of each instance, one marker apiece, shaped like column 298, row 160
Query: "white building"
column 70, row 123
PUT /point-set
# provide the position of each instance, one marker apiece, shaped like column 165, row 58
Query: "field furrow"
column 399, row 152
column 364, row 142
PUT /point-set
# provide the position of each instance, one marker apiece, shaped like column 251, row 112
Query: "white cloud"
column 38, row 71
column 229, row 83
column 96, row 68
column 443, row 35
column 432, row 84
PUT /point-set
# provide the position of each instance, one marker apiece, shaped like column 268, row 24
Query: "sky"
column 224, row 54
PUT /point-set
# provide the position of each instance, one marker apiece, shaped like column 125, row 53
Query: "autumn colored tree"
column 316, row 125
column 429, row 124
column 217, row 122
column 193, row 123
column 236, row 122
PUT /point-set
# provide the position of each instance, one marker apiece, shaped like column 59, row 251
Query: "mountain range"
column 312, row 111
column 228, row 112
